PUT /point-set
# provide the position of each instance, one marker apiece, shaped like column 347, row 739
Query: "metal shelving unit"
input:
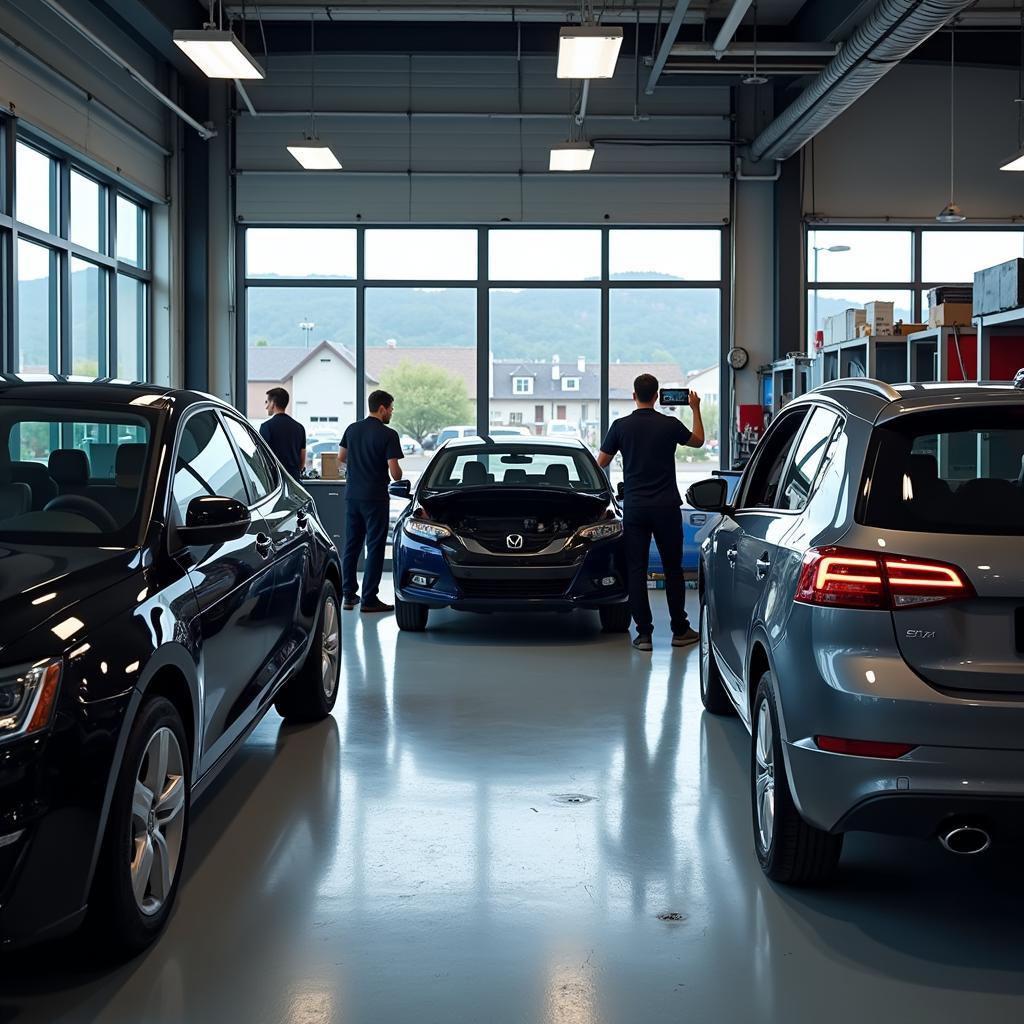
column 883, row 357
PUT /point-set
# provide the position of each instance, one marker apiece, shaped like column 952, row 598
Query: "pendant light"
column 218, row 54
column 589, row 49
column 1016, row 162
column 951, row 212
column 754, row 78
column 576, row 153
column 310, row 152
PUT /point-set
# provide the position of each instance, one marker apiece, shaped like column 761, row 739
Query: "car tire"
column 712, row 688
column 410, row 616
column 615, row 618
column 130, row 902
column 310, row 694
column 788, row 848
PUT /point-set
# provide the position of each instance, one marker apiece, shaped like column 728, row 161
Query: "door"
column 734, row 582
column 287, row 518
column 233, row 584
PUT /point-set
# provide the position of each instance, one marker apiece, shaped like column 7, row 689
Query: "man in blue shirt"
column 650, row 506
column 285, row 436
column 371, row 451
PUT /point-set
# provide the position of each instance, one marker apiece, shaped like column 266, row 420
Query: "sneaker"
column 685, row 639
column 350, row 601
column 642, row 642
column 376, row 606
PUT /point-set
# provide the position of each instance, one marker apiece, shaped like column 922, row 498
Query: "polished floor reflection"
column 493, row 828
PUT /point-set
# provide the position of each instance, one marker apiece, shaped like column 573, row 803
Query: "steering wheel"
column 87, row 508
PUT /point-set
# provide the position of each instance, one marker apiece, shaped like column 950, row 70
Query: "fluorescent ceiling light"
column 1015, row 163
column 588, row 51
column 571, row 156
column 314, row 155
column 217, row 54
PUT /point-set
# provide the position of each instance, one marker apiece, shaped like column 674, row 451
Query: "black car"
column 163, row 584
column 520, row 524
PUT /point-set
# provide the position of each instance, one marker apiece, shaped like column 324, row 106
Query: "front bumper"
column 441, row 577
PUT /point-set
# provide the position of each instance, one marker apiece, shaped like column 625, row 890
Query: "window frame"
column 274, row 493
column 838, row 424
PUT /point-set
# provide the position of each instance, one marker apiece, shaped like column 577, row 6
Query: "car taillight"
column 862, row 748
column 844, row 578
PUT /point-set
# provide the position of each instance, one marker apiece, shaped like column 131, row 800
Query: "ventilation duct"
column 892, row 31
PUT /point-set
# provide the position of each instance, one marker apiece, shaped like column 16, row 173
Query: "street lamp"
column 817, row 249
column 307, row 327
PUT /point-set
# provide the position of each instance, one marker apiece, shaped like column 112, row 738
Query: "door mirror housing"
column 213, row 519
column 400, row 489
column 709, row 495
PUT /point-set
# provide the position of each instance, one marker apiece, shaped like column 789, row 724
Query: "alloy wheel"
column 158, row 819
column 764, row 779
column 330, row 647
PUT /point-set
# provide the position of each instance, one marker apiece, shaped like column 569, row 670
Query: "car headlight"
column 423, row 530
column 600, row 531
column 28, row 698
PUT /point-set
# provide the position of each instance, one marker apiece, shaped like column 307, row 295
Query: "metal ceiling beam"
column 152, row 23
column 666, row 44
column 732, row 22
column 831, row 20
column 705, row 50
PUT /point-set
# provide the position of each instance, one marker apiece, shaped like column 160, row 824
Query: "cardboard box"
column 950, row 314
column 879, row 316
column 854, row 318
column 999, row 287
column 329, row 469
column 905, row 329
column 843, row 326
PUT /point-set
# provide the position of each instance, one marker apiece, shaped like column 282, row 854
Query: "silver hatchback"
column 862, row 610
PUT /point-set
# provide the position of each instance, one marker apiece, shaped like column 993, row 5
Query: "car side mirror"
column 709, row 495
column 212, row 519
column 400, row 489
column 620, row 490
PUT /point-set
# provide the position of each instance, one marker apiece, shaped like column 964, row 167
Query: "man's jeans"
column 365, row 522
column 665, row 525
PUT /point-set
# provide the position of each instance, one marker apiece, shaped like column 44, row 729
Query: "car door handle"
column 763, row 564
column 264, row 545
column 731, row 555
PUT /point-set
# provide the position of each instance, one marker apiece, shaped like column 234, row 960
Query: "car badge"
column 514, row 541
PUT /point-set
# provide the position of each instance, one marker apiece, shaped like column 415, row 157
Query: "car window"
column 205, row 464
column 761, row 487
column 262, row 479
column 520, row 466
column 807, row 458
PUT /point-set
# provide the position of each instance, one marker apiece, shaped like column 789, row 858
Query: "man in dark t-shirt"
column 285, row 436
column 371, row 451
column 647, row 440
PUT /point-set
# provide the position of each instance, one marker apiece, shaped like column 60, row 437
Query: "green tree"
column 427, row 398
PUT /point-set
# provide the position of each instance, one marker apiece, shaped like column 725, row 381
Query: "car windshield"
column 73, row 475
column 951, row 471
column 519, row 466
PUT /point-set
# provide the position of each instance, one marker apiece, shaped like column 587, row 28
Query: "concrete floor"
column 488, row 830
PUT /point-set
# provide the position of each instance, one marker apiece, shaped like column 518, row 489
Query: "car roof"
column 877, row 401
column 47, row 387
column 516, row 441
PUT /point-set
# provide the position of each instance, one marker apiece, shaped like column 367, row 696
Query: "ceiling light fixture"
column 951, row 213
column 310, row 152
column 754, row 78
column 216, row 52
column 571, row 156
column 1016, row 162
column 588, row 51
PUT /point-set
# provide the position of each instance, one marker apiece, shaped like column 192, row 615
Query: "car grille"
column 512, row 588
column 498, row 542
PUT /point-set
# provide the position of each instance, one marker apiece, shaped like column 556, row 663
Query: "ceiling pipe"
column 732, row 22
column 892, row 31
column 666, row 45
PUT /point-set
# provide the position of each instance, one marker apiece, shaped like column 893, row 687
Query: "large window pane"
column 546, row 373
column 300, row 252
column 827, row 302
column 674, row 334
column 36, row 196
column 88, row 213
column 421, row 254
column 518, row 254
column 88, row 318
column 38, row 308
column 678, row 255
column 303, row 340
column 950, row 257
column 868, row 256
column 131, row 232
column 131, row 328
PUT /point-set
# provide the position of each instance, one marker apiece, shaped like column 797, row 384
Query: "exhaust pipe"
column 965, row 840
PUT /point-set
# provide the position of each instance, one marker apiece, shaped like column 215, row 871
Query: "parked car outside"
column 430, row 442
column 410, row 446
column 316, row 448
column 152, row 613
column 451, row 433
column 862, row 610
column 520, row 524
column 562, row 428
